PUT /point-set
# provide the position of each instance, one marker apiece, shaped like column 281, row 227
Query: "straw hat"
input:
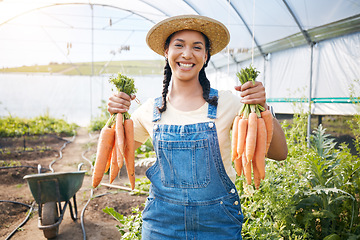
column 217, row 33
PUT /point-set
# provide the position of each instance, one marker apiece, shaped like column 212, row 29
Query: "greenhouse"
column 303, row 50
column 57, row 59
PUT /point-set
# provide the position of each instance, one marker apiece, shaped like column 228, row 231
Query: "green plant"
column 11, row 163
column 326, row 206
column 123, row 84
column 142, row 185
column 99, row 122
column 130, row 228
column 44, row 124
column 314, row 194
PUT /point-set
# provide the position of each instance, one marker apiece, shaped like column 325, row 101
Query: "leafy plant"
column 99, row 121
column 123, row 84
column 44, row 124
column 142, row 185
column 314, row 194
column 130, row 228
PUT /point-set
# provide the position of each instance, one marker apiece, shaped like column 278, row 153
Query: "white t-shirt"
column 228, row 106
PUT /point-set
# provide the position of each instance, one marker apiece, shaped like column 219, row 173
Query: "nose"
column 187, row 52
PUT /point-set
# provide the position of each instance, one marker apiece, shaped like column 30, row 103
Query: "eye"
column 178, row 45
column 198, row 47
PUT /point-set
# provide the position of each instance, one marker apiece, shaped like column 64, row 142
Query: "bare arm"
column 137, row 144
column 278, row 148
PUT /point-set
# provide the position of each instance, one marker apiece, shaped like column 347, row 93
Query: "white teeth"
column 185, row 65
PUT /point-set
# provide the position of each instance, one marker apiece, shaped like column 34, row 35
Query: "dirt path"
column 98, row 225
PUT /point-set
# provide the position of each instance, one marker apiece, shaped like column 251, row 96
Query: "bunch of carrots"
column 251, row 135
column 116, row 141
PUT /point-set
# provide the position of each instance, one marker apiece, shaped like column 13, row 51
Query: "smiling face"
column 186, row 54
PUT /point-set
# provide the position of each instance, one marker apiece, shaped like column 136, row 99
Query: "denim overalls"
column 191, row 196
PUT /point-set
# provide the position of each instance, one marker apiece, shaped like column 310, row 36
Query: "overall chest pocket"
column 184, row 164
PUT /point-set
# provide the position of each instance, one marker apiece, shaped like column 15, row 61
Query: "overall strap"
column 212, row 109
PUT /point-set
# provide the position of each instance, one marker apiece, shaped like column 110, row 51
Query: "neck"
column 186, row 96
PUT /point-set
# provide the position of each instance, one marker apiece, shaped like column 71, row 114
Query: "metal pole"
column 310, row 91
column 92, row 57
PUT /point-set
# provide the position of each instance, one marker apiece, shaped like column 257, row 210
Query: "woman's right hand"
column 119, row 102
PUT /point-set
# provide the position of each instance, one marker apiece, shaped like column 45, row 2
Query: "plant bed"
column 14, row 187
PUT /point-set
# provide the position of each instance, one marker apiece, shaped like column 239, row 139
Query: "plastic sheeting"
column 74, row 98
column 286, row 76
column 276, row 32
column 268, row 20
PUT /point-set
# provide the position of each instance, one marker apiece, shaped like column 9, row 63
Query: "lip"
column 185, row 65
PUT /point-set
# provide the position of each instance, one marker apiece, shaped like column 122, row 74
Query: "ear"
column 166, row 53
column 206, row 57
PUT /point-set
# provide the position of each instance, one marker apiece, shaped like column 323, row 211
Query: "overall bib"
column 191, row 196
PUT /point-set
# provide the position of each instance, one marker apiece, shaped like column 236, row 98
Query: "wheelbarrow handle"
column 79, row 166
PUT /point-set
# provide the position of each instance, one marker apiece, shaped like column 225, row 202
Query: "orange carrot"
column 251, row 136
column 114, row 167
column 130, row 151
column 104, row 148
column 238, row 165
column 268, row 119
column 256, row 173
column 108, row 163
column 246, row 169
column 259, row 157
column 119, row 156
column 119, row 129
column 242, row 129
column 235, row 138
column 110, row 156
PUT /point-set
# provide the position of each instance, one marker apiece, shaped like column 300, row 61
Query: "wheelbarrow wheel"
column 50, row 216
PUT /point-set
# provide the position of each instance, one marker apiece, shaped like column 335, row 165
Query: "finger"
column 122, row 95
column 247, row 85
column 119, row 103
column 257, row 90
column 117, row 108
column 253, row 93
column 250, row 84
column 254, row 99
column 238, row 88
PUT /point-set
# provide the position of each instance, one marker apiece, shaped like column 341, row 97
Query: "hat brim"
column 217, row 33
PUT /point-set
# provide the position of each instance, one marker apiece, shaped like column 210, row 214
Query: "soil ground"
column 43, row 150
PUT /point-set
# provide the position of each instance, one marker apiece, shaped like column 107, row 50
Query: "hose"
column 60, row 152
column 25, row 220
column 52, row 170
column 83, row 213
column 39, row 170
column 83, row 210
column 45, row 169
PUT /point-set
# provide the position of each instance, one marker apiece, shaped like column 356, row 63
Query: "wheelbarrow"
column 49, row 191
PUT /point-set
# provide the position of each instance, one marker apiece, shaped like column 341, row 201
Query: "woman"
column 192, row 194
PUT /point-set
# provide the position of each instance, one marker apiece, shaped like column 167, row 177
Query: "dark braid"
column 205, row 84
column 166, row 82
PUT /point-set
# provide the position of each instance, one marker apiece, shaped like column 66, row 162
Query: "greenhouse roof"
column 263, row 25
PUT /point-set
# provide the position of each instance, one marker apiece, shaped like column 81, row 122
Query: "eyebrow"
column 181, row 40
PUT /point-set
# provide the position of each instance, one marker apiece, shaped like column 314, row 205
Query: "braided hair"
column 204, row 81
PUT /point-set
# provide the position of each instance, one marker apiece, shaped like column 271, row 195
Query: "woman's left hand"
column 252, row 93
